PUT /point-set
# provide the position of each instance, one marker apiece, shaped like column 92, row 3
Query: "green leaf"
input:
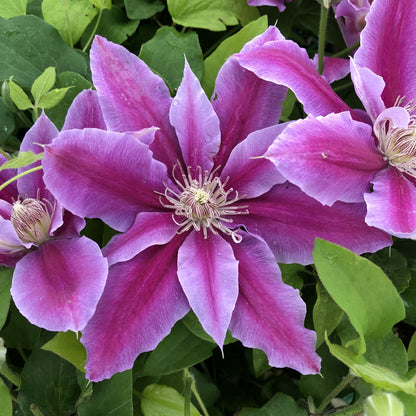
column 213, row 15
column 52, row 98
column 5, row 400
column 163, row 400
column 35, row 46
column 50, row 384
column 111, row 397
column 7, row 123
column 394, row 264
column 326, row 314
column 68, row 346
column 113, row 25
column 69, row 17
column 180, row 349
column 143, row 9
column 6, row 275
column 77, row 83
column 411, row 349
column 260, row 362
column 19, row 97
column 21, row 160
column 231, row 45
column 374, row 374
column 165, row 53
column 43, row 83
column 12, row 8
column 383, row 404
column 280, row 404
column 101, row 4
column 291, row 274
column 360, row 288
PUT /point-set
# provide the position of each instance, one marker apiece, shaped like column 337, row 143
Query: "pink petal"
column 249, row 173
column 208, row 273
column 85, row 112
column 132, row 97
column 392, row 205
column 388, row 47
column 331, row 158
column 106, row 175
column 11, row 248
column 269, row 314
column 277, row 3
column 334, row 68
column 284, row 62
column 58, row 286
column 289, row 221
column 195, row 122
column 141, row 302
column 148, row 229
column 244, row 103
column 9, row 193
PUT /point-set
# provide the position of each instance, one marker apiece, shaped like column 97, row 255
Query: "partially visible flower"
column 202, row 220
column 340, row 154
column 59, row 276
column 277, row 3
column 351, row 16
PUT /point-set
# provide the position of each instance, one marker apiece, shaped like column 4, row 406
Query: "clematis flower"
column 280, row 4
column 202, row 220
column 338, row 154
column 351, row 16
column 42, row 242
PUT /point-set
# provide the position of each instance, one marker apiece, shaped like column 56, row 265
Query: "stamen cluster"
column 203, row 203
column 31, row 218
column 398, row 144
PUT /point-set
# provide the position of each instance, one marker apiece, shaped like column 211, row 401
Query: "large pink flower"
column 203, row 220
column 340, row 154
column 59, row 276
column 280, row 4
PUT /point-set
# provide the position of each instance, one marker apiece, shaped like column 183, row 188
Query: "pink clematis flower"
column 338, row 154
column 280, row 4
column 351, row 16
column 203, row 220
column 50, row 286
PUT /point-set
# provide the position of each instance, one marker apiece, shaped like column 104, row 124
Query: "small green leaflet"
column 23, row 159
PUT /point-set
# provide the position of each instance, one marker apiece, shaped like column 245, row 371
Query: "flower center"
column 31, row 218
column 398, row 144
column 203, row 203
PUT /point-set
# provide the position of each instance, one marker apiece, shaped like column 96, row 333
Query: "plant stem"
column 26, row 172
column 100, row 13
column 195, row 392
column 188, row 381
column 334, row 393
column 5, row 154
column 346, row 50
column 322, row 35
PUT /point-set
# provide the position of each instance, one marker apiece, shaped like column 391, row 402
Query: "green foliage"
column 5, row 400
column 35, row 47
column 162, row 400
column 69, row 17
column 21, row 160
column 373, row 304
column 383, row 404
column 165, row 53
column 143, row 9
column 213, row 15
column 68, row 346
column 12, row 8
column 5, row 284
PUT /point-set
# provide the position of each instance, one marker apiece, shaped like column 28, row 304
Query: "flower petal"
column 269, row 314
column 141, row 302
column 11, row 248
column 331, row 158
column 388, row 47
column 251, row 174
column 277, row 3
column 41, row 133
column 85, row 112
column 148, row 229
column 289, row 221
column 334, row 68
column 108, row 175
column 244, row 103
column 208, row 273
column 392, row 205
column 369, row 87
column 284, row 62
column 195, row 122
column 132, row 97
column 9, row 193
column 58, row 286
